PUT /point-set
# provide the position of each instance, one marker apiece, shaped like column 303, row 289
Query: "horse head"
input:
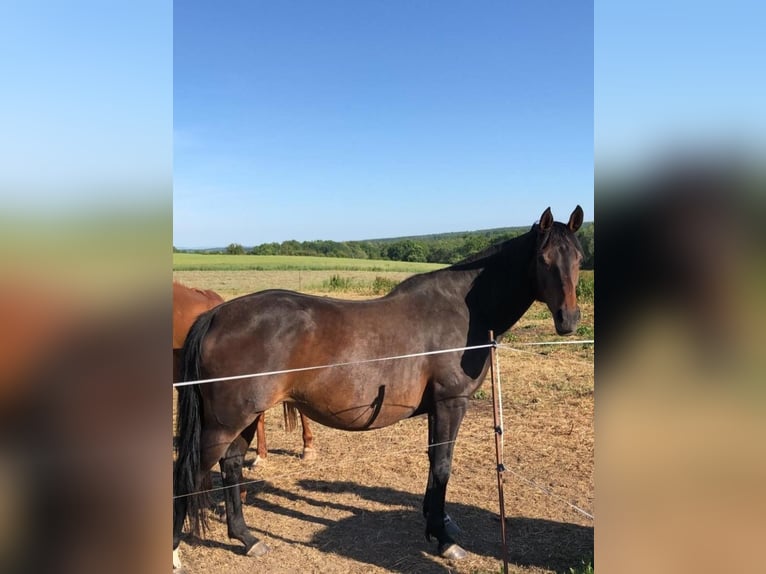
column 557, row 268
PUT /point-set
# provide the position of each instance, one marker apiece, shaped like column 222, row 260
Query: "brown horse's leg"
column 443, row 425
column 291, row 413
column 231, row 473
column 261, row 437
column 309, row 453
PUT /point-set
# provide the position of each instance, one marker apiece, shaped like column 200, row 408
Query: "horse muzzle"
column 566, row 320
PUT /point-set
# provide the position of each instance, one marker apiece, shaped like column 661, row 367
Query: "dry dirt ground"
column 357, row 508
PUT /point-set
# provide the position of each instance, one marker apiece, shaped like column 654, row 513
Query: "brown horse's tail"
column 291, row 416
column 187, row 466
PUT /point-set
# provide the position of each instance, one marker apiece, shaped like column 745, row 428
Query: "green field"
column 223, row 262
column 235, row 275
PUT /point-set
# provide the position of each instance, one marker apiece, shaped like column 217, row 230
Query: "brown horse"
column 188, row 304
column 451, row 308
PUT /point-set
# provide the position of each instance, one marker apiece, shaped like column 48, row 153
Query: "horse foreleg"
column 231, row 473
column 430, row 452
column 443, row 425
column 450, row 525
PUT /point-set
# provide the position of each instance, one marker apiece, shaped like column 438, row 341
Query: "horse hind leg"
column 231, row 473
column 291, row 414
column 261, row 449
column 192, row 499
column 255, row 429
column 309, row 452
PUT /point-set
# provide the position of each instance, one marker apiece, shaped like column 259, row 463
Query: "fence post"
column 498, row 443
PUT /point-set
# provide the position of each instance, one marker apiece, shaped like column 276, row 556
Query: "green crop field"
column 223, row 262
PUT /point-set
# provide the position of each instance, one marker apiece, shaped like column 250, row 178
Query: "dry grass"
column 357, row 508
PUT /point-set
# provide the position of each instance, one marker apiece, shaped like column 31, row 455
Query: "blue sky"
column 350, row 120
column 86, row 106
column 680, row 75
column 360, row 119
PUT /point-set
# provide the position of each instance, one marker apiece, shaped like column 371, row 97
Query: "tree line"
column 442, row 248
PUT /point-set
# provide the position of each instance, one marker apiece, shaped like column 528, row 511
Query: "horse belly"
column 357, row 418
column 359, row 404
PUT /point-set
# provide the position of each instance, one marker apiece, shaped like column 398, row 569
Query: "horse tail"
column 291, row 416
column 189, row 415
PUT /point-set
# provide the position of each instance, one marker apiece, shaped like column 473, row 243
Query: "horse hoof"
column 258, row 549
column 453, row 552
column 248, row 469
column 309, row 454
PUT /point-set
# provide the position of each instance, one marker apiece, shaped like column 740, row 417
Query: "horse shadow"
column 393, row 537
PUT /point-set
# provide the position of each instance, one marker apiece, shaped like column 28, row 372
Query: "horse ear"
column 575, row 220
column 546, row 220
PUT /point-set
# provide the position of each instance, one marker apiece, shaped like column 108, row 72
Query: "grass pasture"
column 235, row 275
column 357, row 507
column 223, row 262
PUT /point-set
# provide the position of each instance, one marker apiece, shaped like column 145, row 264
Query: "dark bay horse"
column 188, row 304
column 278, row 330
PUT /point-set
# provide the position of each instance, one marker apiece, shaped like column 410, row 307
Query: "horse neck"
column 503, row 285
